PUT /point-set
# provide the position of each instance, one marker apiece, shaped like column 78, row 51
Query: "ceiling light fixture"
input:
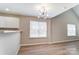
column 7, row 9
column 43, row 13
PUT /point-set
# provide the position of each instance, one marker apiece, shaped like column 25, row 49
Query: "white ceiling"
column 30, row 9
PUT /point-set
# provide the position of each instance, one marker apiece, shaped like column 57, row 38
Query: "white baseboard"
column 49, row 42
column 36, row 44
column 65, row 41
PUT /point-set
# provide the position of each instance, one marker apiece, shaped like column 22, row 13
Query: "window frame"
column 39, row 37
column 72, row 30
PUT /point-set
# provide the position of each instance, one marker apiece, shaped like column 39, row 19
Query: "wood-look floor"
column 70, row 48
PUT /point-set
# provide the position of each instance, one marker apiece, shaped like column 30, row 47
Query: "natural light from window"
column 71, row 30
column 38, row 29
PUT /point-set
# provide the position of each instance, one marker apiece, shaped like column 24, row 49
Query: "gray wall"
column 59, row 26
column 57, row 29
column 76, row 10
column 25, row 39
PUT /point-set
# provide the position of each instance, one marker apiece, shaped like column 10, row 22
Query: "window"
column 71, row 30
column 38, row 29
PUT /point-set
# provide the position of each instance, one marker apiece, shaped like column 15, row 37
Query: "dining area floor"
column 67, row 48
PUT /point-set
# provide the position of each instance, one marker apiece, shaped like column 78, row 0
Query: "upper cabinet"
column 9, row 22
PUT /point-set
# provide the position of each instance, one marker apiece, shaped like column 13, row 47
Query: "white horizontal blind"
column 38, row 29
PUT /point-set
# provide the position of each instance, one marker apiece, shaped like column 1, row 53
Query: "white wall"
column 9, row 43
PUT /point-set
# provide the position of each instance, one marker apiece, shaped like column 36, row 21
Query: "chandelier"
column 43, row 13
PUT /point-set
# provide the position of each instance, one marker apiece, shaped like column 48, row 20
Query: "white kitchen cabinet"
column 9, row 22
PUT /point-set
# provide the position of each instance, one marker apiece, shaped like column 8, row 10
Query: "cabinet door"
column 12, row 22
column 9, row 43
column 2, row 22
column 9, row 22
